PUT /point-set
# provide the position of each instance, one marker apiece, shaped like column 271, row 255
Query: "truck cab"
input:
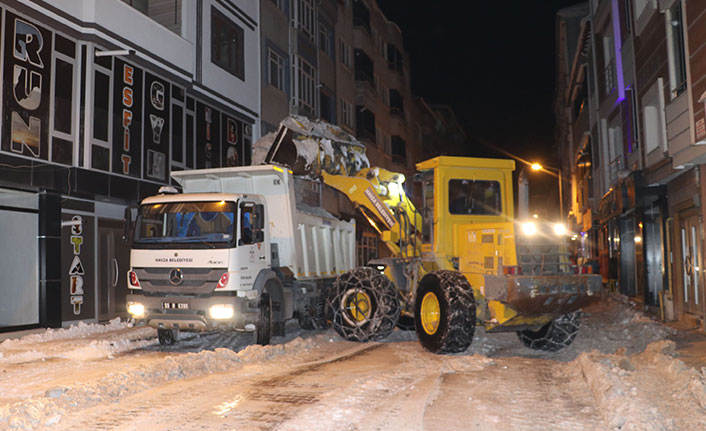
column 195, row 258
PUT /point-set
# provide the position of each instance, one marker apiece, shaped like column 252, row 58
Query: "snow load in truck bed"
column 308, row 147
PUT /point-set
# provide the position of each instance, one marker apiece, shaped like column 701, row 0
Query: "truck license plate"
column 175, row 305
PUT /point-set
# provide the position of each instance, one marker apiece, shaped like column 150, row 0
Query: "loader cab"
column 461, row 191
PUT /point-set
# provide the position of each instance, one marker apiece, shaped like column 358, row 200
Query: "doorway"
column 113, row 264
column 690, row 290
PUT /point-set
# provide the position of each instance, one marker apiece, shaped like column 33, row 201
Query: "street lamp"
column 557, row 173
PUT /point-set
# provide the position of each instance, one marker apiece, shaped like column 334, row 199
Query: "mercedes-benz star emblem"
column 176, row 276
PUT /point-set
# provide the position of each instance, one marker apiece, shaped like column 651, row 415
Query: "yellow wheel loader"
column 459, row 261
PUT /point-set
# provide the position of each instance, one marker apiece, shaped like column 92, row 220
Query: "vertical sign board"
column 78, row 269
column 208, row 140
column 157, row 128
column 232, row 142
column 127, row 118
column 27, row 77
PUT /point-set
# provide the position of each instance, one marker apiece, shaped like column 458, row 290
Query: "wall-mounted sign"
column 127, row 118
column 233, row 142
column 208, row 137
column 78, row 269
column 157, row 129
column 27, row 76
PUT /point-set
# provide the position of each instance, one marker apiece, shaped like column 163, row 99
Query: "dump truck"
column 459, row 261
column 234, row 251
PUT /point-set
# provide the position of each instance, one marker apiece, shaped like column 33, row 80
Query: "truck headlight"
column 136, row 309
column 221, row 311
column 559, row 229
column 529, row 228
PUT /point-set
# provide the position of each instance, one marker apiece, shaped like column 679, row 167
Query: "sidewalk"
column 691, row 343
column 19, row 334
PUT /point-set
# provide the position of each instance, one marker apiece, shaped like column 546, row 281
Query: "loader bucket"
column 309, row 147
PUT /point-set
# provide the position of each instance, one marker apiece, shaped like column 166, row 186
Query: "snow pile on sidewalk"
column 74, row 331
column 78, row 342
column 60, row 401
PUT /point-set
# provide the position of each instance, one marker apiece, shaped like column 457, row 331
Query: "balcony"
column 138, row 28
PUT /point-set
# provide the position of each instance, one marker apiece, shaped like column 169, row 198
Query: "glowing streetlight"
column 557, row 173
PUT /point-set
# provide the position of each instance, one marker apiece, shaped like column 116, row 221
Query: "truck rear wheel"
column 364, row 305
column 553, row 336
column 263, row 331
column 445, row 312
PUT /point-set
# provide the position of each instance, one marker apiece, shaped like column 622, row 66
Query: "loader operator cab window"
column 251, row 223
column 474, row 197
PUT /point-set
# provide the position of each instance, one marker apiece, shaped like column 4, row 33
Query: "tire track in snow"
column 250, row 397
column 516, row 394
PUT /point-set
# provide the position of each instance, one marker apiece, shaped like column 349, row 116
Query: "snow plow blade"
column 308, row 147
column 535, row 295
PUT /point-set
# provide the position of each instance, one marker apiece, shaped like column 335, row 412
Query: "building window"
column 281, row 5
column 396, row 103
column 346, row 113
column 326, row 107
column 164, row 12
column 398, row 149
column 101, row 105
column 326, row 40
column 361, row 15
column 367, row 248
column 227, row 45
column 653, row 121
column 677, row 61
column 364, row 68
column 364, row 123
column 609, row 73
column 345, row 53
column 306, row 85
column 276, row 68
column 305, row 17
column 395, row 60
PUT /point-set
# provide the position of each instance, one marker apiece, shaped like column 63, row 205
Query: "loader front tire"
column 363, row 305
column 445, row 312
column 553, row 336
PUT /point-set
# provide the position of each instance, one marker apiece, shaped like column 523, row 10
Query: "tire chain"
column 382, row 292
column 555, row 335
column 462, row 311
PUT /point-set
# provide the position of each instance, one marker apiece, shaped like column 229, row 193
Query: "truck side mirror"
column 127, row 225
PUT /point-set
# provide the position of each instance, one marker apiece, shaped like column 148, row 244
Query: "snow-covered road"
column 620, row 373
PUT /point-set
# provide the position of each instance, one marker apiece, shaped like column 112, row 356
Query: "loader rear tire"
column 553, row 336
column 445, row 312
column 363, row 305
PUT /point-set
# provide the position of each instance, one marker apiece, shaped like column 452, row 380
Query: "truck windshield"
column 201, row 224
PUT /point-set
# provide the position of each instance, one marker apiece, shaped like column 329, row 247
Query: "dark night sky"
column 492, row 61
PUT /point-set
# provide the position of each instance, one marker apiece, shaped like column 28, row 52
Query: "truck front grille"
column 195, row 281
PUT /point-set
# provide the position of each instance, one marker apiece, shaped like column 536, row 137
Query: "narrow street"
column 620, row 373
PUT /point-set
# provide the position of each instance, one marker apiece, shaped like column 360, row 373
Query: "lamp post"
column 557, row 173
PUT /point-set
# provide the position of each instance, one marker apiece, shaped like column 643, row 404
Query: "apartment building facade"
column 102, row 100
column 633, row 98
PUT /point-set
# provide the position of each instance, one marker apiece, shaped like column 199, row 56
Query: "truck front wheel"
column 445, row 312
column 553, row 336
column 364, row 305
column 263, row 332
column 166, row 337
